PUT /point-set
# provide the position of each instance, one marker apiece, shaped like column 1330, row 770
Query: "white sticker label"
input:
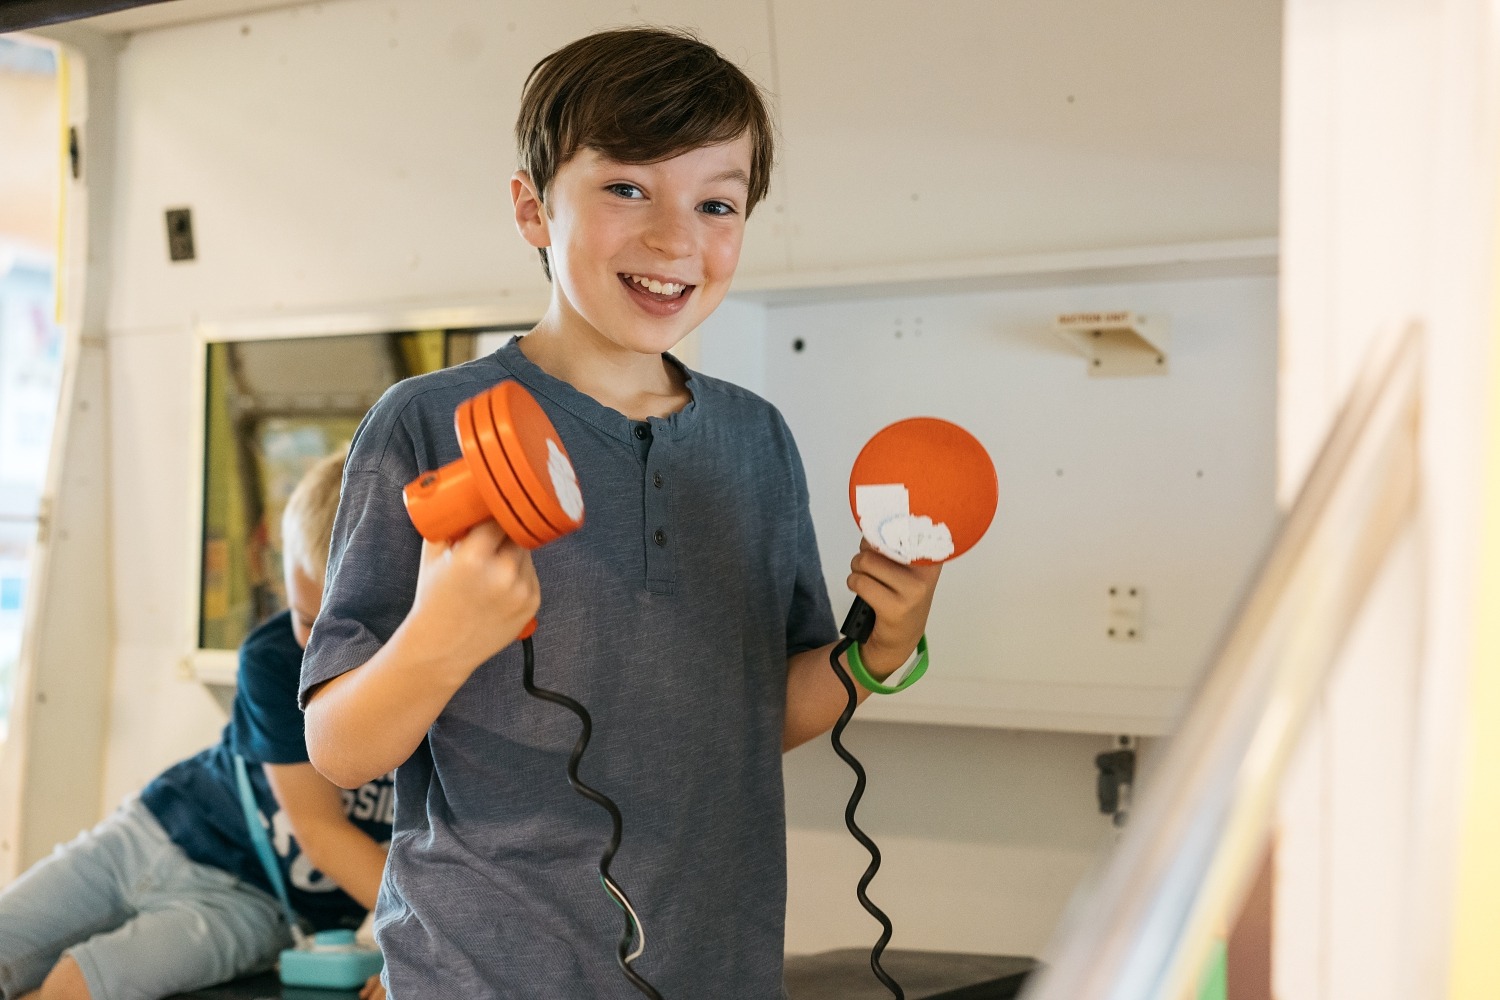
column 886, row 521
column 564, row 481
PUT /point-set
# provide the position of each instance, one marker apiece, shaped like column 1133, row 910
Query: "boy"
column 688, row 614
column 168, row 895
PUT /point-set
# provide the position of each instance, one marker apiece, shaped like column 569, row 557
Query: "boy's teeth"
column 657, row 287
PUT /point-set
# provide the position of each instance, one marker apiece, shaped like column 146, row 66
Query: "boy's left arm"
column 901, row 597
column 336, row 847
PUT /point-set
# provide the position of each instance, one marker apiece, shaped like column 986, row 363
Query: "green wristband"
column 857, row 668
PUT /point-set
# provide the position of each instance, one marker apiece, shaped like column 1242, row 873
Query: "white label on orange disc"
column 564, row 481
column 886, row 521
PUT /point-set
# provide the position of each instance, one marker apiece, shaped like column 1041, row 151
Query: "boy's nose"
column 670, row 234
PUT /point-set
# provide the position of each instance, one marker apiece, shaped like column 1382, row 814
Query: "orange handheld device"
column 922, row 490
column 513, row 469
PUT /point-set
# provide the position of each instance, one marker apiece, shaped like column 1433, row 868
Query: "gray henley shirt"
column 670, row 615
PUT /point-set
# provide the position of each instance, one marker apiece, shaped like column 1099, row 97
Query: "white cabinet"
column 1160, row 484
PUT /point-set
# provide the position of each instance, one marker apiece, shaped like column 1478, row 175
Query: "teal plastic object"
column 333, row 962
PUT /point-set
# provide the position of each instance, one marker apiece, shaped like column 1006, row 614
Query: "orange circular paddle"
column 918, row 482
column 922, row 491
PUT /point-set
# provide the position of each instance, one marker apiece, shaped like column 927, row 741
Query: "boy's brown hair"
column 639, row 95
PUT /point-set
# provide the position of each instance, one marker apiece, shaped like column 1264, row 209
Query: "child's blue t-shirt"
column 670, row 615
column 197, row 800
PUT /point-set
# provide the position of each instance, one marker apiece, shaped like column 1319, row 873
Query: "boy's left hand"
column 901, row 597
column 373, row 989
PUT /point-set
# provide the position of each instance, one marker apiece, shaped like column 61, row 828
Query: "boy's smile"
column 658, row 295
column 640, row 253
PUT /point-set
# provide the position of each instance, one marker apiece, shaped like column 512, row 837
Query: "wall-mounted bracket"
column 1117, row 343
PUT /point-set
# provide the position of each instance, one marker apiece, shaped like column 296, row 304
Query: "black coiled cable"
column 859, row 835
column 599, row 799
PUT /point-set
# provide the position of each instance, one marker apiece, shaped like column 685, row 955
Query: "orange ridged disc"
column 503, row 470
column 490, row 487
column 529, row 438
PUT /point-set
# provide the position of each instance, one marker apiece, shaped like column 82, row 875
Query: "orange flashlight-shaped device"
column 513, row 469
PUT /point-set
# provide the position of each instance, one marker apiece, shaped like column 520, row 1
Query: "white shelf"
column 1216, row 259
column 447, row 314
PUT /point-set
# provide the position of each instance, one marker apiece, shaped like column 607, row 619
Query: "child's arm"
column 336, row 847
column 473, row 597
column 901, row 597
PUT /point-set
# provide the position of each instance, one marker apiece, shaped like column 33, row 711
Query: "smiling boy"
column 688, row 614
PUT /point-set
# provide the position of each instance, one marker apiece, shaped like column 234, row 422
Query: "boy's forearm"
column 814, row 697
column 346, row 854
column 367, row 722
column 900, row 595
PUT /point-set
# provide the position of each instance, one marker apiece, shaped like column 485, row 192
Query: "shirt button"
column 656, row 479
column 660, row 536
column 641, row 432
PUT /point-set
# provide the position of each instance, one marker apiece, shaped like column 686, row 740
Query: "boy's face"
column 619, row 230
column 304, row 596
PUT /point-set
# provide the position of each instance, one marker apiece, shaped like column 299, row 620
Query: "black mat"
column 922, row 975
column 266, row 987
column 831, row 975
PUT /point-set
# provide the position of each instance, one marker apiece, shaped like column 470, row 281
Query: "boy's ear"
column 531, row 214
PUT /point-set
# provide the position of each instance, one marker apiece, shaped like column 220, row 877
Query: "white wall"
column 352, row 155
column 349, row 152
column 983, row 834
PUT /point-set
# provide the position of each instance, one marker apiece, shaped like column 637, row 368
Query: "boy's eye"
column 718, row 208
column 625, row 190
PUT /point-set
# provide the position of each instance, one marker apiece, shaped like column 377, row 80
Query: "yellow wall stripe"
column 1475, row 973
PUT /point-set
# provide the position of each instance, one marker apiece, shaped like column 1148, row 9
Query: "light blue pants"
column 140, row 918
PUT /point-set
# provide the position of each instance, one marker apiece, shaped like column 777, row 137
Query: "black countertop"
column 829, row 975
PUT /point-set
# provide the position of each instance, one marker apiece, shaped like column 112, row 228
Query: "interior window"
column 272, row 409
column 30, row 335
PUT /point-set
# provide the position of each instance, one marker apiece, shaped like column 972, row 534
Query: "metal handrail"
column 1145, row 928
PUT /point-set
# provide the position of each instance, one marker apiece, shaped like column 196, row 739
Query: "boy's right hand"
column 474, row 596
